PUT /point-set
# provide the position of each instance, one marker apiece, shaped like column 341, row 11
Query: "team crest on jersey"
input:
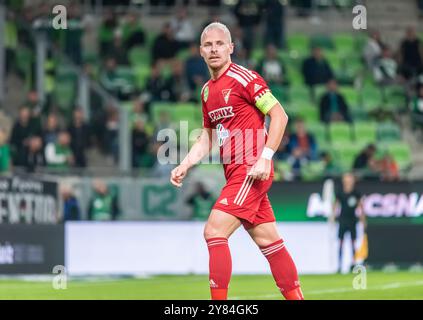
column 206, row 93
column 226, row 94
column 225, row 112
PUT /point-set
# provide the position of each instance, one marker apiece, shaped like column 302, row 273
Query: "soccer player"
column 235, row 101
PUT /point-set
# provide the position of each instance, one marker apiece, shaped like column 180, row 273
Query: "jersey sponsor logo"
column 225, row 112
column 226, row 93
column 257, row 87
column 206, row 93
column 222, row 134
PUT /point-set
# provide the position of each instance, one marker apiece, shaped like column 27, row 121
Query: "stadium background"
column 80, row 113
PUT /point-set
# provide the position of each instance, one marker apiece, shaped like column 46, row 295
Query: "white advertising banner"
column 142, row 248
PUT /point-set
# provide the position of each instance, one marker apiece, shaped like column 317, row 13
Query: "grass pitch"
column 379, row 285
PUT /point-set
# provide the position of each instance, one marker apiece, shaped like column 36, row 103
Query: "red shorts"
column 246, row 198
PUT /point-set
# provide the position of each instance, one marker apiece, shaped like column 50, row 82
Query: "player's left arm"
column 269, row 105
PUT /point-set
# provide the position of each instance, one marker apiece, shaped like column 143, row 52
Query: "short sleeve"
column 204, row 96
column 259, row 94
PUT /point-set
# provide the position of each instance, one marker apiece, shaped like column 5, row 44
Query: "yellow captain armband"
column 265, row 102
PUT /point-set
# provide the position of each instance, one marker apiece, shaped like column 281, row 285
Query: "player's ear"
column 231, row 48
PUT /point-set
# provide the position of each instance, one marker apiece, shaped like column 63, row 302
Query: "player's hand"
column 261, row 169
column 178, row 174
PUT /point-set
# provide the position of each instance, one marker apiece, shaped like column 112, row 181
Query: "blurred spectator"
column 248, row 14
column 389, row 170
column 165, row 47
column 385, row 68
column 118, row 51
column 58, row 154
column 71, row 208
column 297, row 160
column 120, row 85
column 283, row 151
column 5, row 157
column 51, row 130
column 34, row 154
column 274, row 18
column 133, row 32
column 417, row 109
column 179, row 90
column 73, row 34
column 106, row 32
column 272, row 67
column 331, row 169
column 241, row 58
column 316, row 69
column 237, row 35
column 21, row 132
column 373, row 48
column 411, row 54
column 80, row 137
column 158, row 87
column 139, row 111
column 103, row 205
column 201, row 202
column 303, row 141
column 112, row 133
column 366, row 163
column 195, row 68
column 182, row 28
column 333, row 106
column 140, row 145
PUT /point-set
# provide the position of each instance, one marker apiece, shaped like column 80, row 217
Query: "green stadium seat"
column 313, row 170
column 319, row 132
column 139, row 56
column 141, row 73
column 388, row 131
column 298, row 43
column 346, row 154
column 308, row 112
column 319, row 91
column 351, row 95
column 344, row 42
column 299, row 93
column 371, row 98
column 395, row 98
column 340, row 132
column 323, row 41
column 365, row 132
column 280, row 92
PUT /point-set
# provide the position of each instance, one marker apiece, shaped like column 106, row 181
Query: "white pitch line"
column 394, row 285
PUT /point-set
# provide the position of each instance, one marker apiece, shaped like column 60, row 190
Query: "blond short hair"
column 216, row 25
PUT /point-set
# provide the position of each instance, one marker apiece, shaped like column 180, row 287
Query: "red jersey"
column 229, row 107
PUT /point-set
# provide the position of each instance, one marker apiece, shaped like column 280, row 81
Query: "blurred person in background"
column 316, row 69
column 201, row 202
column 71, row 208
column 389, row 170
column 385, row 68
column 140, row 145
column 103, row 205
column 182, row 28
column 333, row 106
column 51, row 129
column 22, row 130
column 195, row 69
column 272, row 67
column 411, row 54
column 331, row 169
column 58, row 154
column 348, row 201
column 5, row 156
column 157, row 86
column 34, row 154
column 133, row 34
column 303, row 140
column 106, row 31
column 80, row 137
column 179, row 90
column 274, row 17
column 373, row 48
column 366, row 164
column 297, row 160
column 165, row 47
column 112, row 133
column 248, row 15
column 117, row 50
column 417, row 109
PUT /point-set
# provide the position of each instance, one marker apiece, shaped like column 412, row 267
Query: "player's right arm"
column 198, row 151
